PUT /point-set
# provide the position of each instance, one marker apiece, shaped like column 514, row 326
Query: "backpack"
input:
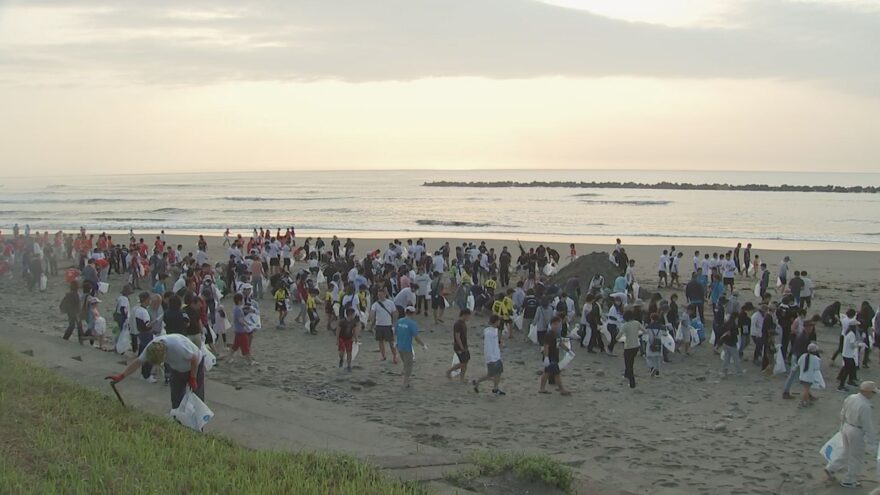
column 656, row 344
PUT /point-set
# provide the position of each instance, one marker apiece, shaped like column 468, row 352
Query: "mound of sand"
column 585, row 267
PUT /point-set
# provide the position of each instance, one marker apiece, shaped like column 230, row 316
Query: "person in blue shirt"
column 406, row 331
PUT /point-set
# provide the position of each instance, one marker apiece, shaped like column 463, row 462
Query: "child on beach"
column 573, row 253
column 346, row 334
column 242, row 340
column 281, row 296
column 312, row 309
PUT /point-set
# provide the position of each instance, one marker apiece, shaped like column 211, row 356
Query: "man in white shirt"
column 850, row 353
column 662, row 268
column 405, row 297
column 439, row 263
column 807, row 292
column 857, row 429
column 756, row 330
column 492, row 354
column 383, row 318
column 201, row 257
column 728, row 269
column 674, row 270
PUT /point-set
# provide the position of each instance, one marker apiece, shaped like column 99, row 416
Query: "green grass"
column 59, row 437
column 529, row 468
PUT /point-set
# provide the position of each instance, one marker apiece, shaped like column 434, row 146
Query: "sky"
column 127, row 86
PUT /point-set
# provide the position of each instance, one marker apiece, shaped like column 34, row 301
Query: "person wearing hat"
column 799, row 346
column 406, row 331
column 856, row 429
column 809, row 372
column 184, row 361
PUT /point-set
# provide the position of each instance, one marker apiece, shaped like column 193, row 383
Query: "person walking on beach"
column 765, row 280
column 631, row 331
column 492, row 355
column 383, row 316
column 856, row 430
column 552, row 372
column 346, row 334
column 662, row 268
column 654, row 344
column 460, row 345
column 729, row 341
column 407, row 331
column 696, row 294
column 184, row 360
column 850, row 352
column 71, row 306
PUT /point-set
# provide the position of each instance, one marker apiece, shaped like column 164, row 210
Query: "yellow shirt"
column 508, row 305
column 280, row 295
column 491, row 284
column 499, row 309
column 310, row 302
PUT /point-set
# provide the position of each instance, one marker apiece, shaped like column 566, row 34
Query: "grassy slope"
column 59, row 437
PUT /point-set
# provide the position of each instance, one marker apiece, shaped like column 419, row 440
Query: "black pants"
column 839, row 349
column 505, row 276
column 848, row 372
column 759, row 347
column 180, row 380
column 699, row 306
column 786, row 340
column 421, row 301
column 612, row 329
column 73, row 322
column 595, row 340
column 629, row 357
column 143, row 338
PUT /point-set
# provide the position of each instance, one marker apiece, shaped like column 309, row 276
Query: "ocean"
column 394, row 203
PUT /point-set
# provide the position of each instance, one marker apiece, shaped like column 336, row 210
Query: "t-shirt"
column 796, row 285
column 406, row 329
column 405, row 298
column 346, row 329
column 630, row 331
column 238, row 323
column 383, row 310
column 179, row 354
column 491, row 347
column 142, row 319
column 123, row 303
column 460, row 329
column 664, row 263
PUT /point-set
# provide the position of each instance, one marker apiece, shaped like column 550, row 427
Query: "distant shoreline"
column 676, row 186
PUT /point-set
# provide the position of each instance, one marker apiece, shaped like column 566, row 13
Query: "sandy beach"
column 687, row 432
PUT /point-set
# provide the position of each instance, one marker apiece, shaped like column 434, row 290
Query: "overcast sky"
column 133, row 86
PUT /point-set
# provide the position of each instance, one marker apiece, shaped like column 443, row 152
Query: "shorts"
column 328, row 308
column 344, row 345
column 728, row 281
column 552, row 369
column 495, row 368
column 437, row 302
column 661, row 274
column 280, row 306
column 242, row 342
column 384, row 334
column 463, row 357
column 407, row 359
column 273, row 262
column 286, row 262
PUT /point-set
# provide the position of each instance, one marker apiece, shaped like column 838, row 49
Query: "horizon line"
column 121, row 174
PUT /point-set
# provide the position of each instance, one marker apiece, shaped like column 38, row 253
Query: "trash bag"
column 668, row 342
column 712, row 338
column 833, row 448
column 44, row 282
column 818, row 382
column 123, row 342
column 192, row 412
column 758, row 289
column 518, row 321
column 446, row 303
column 779, row 366
column 103, row 287
column 253, row 321
column 454, row 362
column 355, row 348
column 209, row 358
column 606, row 335
column 695, row 337
column 566, row 359
column 533, row 333
column 471, row 302
column 100, row 325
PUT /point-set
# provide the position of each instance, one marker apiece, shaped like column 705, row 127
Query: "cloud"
column 164, row 42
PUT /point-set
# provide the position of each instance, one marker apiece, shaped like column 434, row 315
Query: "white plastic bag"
column 712, row 337
column 549, row 269
column 100, row 325
column 566, row 360
column 668, row 342
column 321, row 278
column 533, row 333
column 123, row 342
column 758, row 289
column 209, row 357
column 695, row 337
column 446, row 303
column 818, row 382
column 44, row 282
column 192, row 412
column 606, row 335
column 103, row 287
column 355, row 348
column 471, row 303
column 636, row 289
column 454, row 362
column 253, row 322
column 779, row 366
column 518, row 320
column 833, row 448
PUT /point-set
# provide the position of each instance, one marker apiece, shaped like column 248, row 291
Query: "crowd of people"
column 180, row 312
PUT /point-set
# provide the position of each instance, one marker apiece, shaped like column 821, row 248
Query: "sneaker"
column 498, row 391
column 151, row 379
column 850, row 484
column 786, row 395
column 476, row 387
column 348, row 369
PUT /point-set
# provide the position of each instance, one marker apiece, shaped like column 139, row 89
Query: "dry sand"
column 686, row 432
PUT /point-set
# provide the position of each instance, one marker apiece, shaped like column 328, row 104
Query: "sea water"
column 390, row 203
